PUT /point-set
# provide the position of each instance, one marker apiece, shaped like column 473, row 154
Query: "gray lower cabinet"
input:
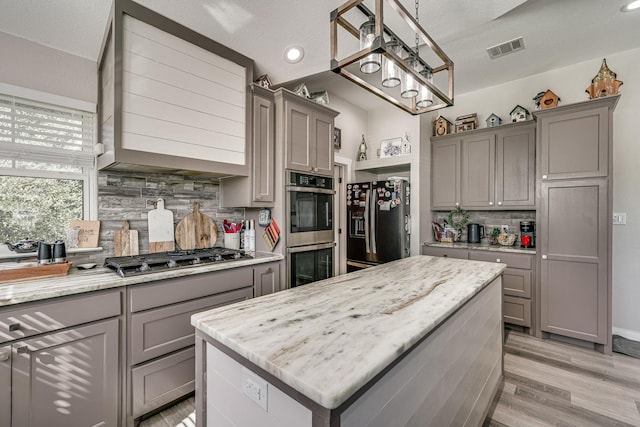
column 517, row 281
column 266, row 278
column 59, row 365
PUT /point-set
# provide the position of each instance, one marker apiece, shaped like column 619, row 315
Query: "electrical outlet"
column 620, row 218
column 255, row 388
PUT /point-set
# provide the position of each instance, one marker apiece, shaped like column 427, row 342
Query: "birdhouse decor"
column 467, row 122
column 519, row 114
column 493, row 120
column 442, row 126
column 302, row 90
column 604, row 83
column 264, row 81
column 546, row 99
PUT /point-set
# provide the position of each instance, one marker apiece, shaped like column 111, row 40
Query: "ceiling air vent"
column 506, row 48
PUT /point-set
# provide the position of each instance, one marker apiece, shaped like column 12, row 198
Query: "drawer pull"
column 14, row 327
column 544, row 176
column 497, row 259
column 445, row 256
column 490, row 203
column 4, row 356
column 544, row 257
column 23, row 350
column 500, row 203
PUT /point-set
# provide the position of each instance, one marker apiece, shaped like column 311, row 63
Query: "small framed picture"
column 391, row 147
column 337, row 144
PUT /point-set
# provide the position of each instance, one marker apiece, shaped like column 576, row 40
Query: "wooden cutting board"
column 196, row 230
column 161, row 236
column 125, row 241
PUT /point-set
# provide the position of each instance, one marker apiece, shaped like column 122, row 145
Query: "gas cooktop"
column 134, row 265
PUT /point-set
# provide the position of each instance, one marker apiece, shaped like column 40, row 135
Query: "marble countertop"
column 79, row 281
column 329, row 338
column 483, row 247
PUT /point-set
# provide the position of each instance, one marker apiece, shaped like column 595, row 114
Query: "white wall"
column 569, row 84
column 352, row 122
column 30, row 65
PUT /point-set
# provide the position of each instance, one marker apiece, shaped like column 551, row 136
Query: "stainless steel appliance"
column 378, row 222
column 475, row 232
column 309, row 209
column 527, row 234
column 310, row 238
column 134, row 265
column 309, row 263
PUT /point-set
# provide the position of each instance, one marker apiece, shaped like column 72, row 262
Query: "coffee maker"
column 527, row 234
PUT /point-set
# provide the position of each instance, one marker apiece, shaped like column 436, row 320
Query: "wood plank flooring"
column 547, row 383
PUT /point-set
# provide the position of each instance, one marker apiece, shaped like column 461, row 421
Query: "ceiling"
column 556, row 33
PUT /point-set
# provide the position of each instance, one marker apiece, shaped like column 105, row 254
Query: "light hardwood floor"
column 547, row 383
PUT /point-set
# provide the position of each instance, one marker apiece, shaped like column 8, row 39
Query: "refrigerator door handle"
column 366, row 222
column 374, row 213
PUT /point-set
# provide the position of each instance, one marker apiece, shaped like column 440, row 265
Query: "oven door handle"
column 308, row 248
column 374, row 213
column 310, row 190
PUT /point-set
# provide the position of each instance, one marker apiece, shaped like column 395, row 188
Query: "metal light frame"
column 379, row 46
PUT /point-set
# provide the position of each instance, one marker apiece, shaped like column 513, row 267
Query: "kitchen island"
column 417, row 341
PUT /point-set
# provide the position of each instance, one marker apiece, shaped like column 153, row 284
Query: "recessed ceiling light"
column 293, row 54
column 630, row 6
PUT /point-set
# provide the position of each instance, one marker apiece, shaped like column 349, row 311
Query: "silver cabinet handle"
column 457, row 204
column 497, row 259
column 490, row 203
column 14, row 327
column 499, row 203
column 544, row 176
column 544, row 257
column 4, row 356
column 23, row 350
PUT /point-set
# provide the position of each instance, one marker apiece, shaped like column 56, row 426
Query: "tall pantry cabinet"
column 574, row 217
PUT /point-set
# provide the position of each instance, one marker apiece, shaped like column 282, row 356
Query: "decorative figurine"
column 362, row 150
column 442, row 126
column 604, row 83
column 264, row 81
column 466, row 122
column 493, row 120
column 321, row 97
column 519, row 114
column 546, row 99
column 405, row 147
column 302, row 90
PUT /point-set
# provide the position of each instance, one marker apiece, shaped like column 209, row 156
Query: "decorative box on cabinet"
column 575, row 143
column 307, row 132
column 256, row 190
column 485, row 169
column 43, row 340
column 171, row 99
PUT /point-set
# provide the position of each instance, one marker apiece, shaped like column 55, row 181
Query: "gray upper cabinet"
column 574, row 140
column 478, row 170
column 256, row 190
column 445, row 173
column 485, row 169
column 170, row 99
column 307, row 129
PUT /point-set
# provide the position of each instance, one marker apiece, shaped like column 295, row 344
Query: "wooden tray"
column 34, row 272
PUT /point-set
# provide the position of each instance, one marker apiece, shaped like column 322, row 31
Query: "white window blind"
column 36, row 136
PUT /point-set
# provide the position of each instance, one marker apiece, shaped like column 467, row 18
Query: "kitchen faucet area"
column 327, row 214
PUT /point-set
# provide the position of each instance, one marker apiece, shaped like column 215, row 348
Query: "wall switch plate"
column 255, row 388
column 620, row 218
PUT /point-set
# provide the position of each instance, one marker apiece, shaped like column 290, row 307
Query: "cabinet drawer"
column 37, row 318
column 171, row 291
column 162, row 381
column 516, row 282
column 516, row 311
column 445, row 252
column 523, row 261
column 163, row 330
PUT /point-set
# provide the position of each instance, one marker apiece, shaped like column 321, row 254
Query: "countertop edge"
column 481, row 247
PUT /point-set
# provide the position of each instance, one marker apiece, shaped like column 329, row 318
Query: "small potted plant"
column 493, row 236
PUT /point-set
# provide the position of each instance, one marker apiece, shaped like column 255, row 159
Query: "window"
column 47, row 169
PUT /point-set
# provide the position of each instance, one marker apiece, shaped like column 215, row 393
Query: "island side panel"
column 449, row 378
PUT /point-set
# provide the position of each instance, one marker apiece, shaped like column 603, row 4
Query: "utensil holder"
column 232, row 240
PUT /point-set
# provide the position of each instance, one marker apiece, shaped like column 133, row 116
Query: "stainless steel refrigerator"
column 378, row 222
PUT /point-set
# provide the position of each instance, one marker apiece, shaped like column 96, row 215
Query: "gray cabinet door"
column 68, row 378
column 574, row 144
column 574, row 258
column 298, row 125
column 322, row 141
column 445, row 173
column 478, row 171
column 266, row 278
column 5, row 385
column 263, row 149
column 515, row 168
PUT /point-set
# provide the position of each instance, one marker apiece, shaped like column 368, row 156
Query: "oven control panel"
column 297, row 179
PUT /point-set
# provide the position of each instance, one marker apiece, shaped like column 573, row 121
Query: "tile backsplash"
column 131, row 195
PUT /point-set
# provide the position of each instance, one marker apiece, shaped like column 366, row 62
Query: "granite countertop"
column 79, row 281
column 329, row 338
column 483, row 247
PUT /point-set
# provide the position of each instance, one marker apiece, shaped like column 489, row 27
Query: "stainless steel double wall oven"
column 310, row 234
